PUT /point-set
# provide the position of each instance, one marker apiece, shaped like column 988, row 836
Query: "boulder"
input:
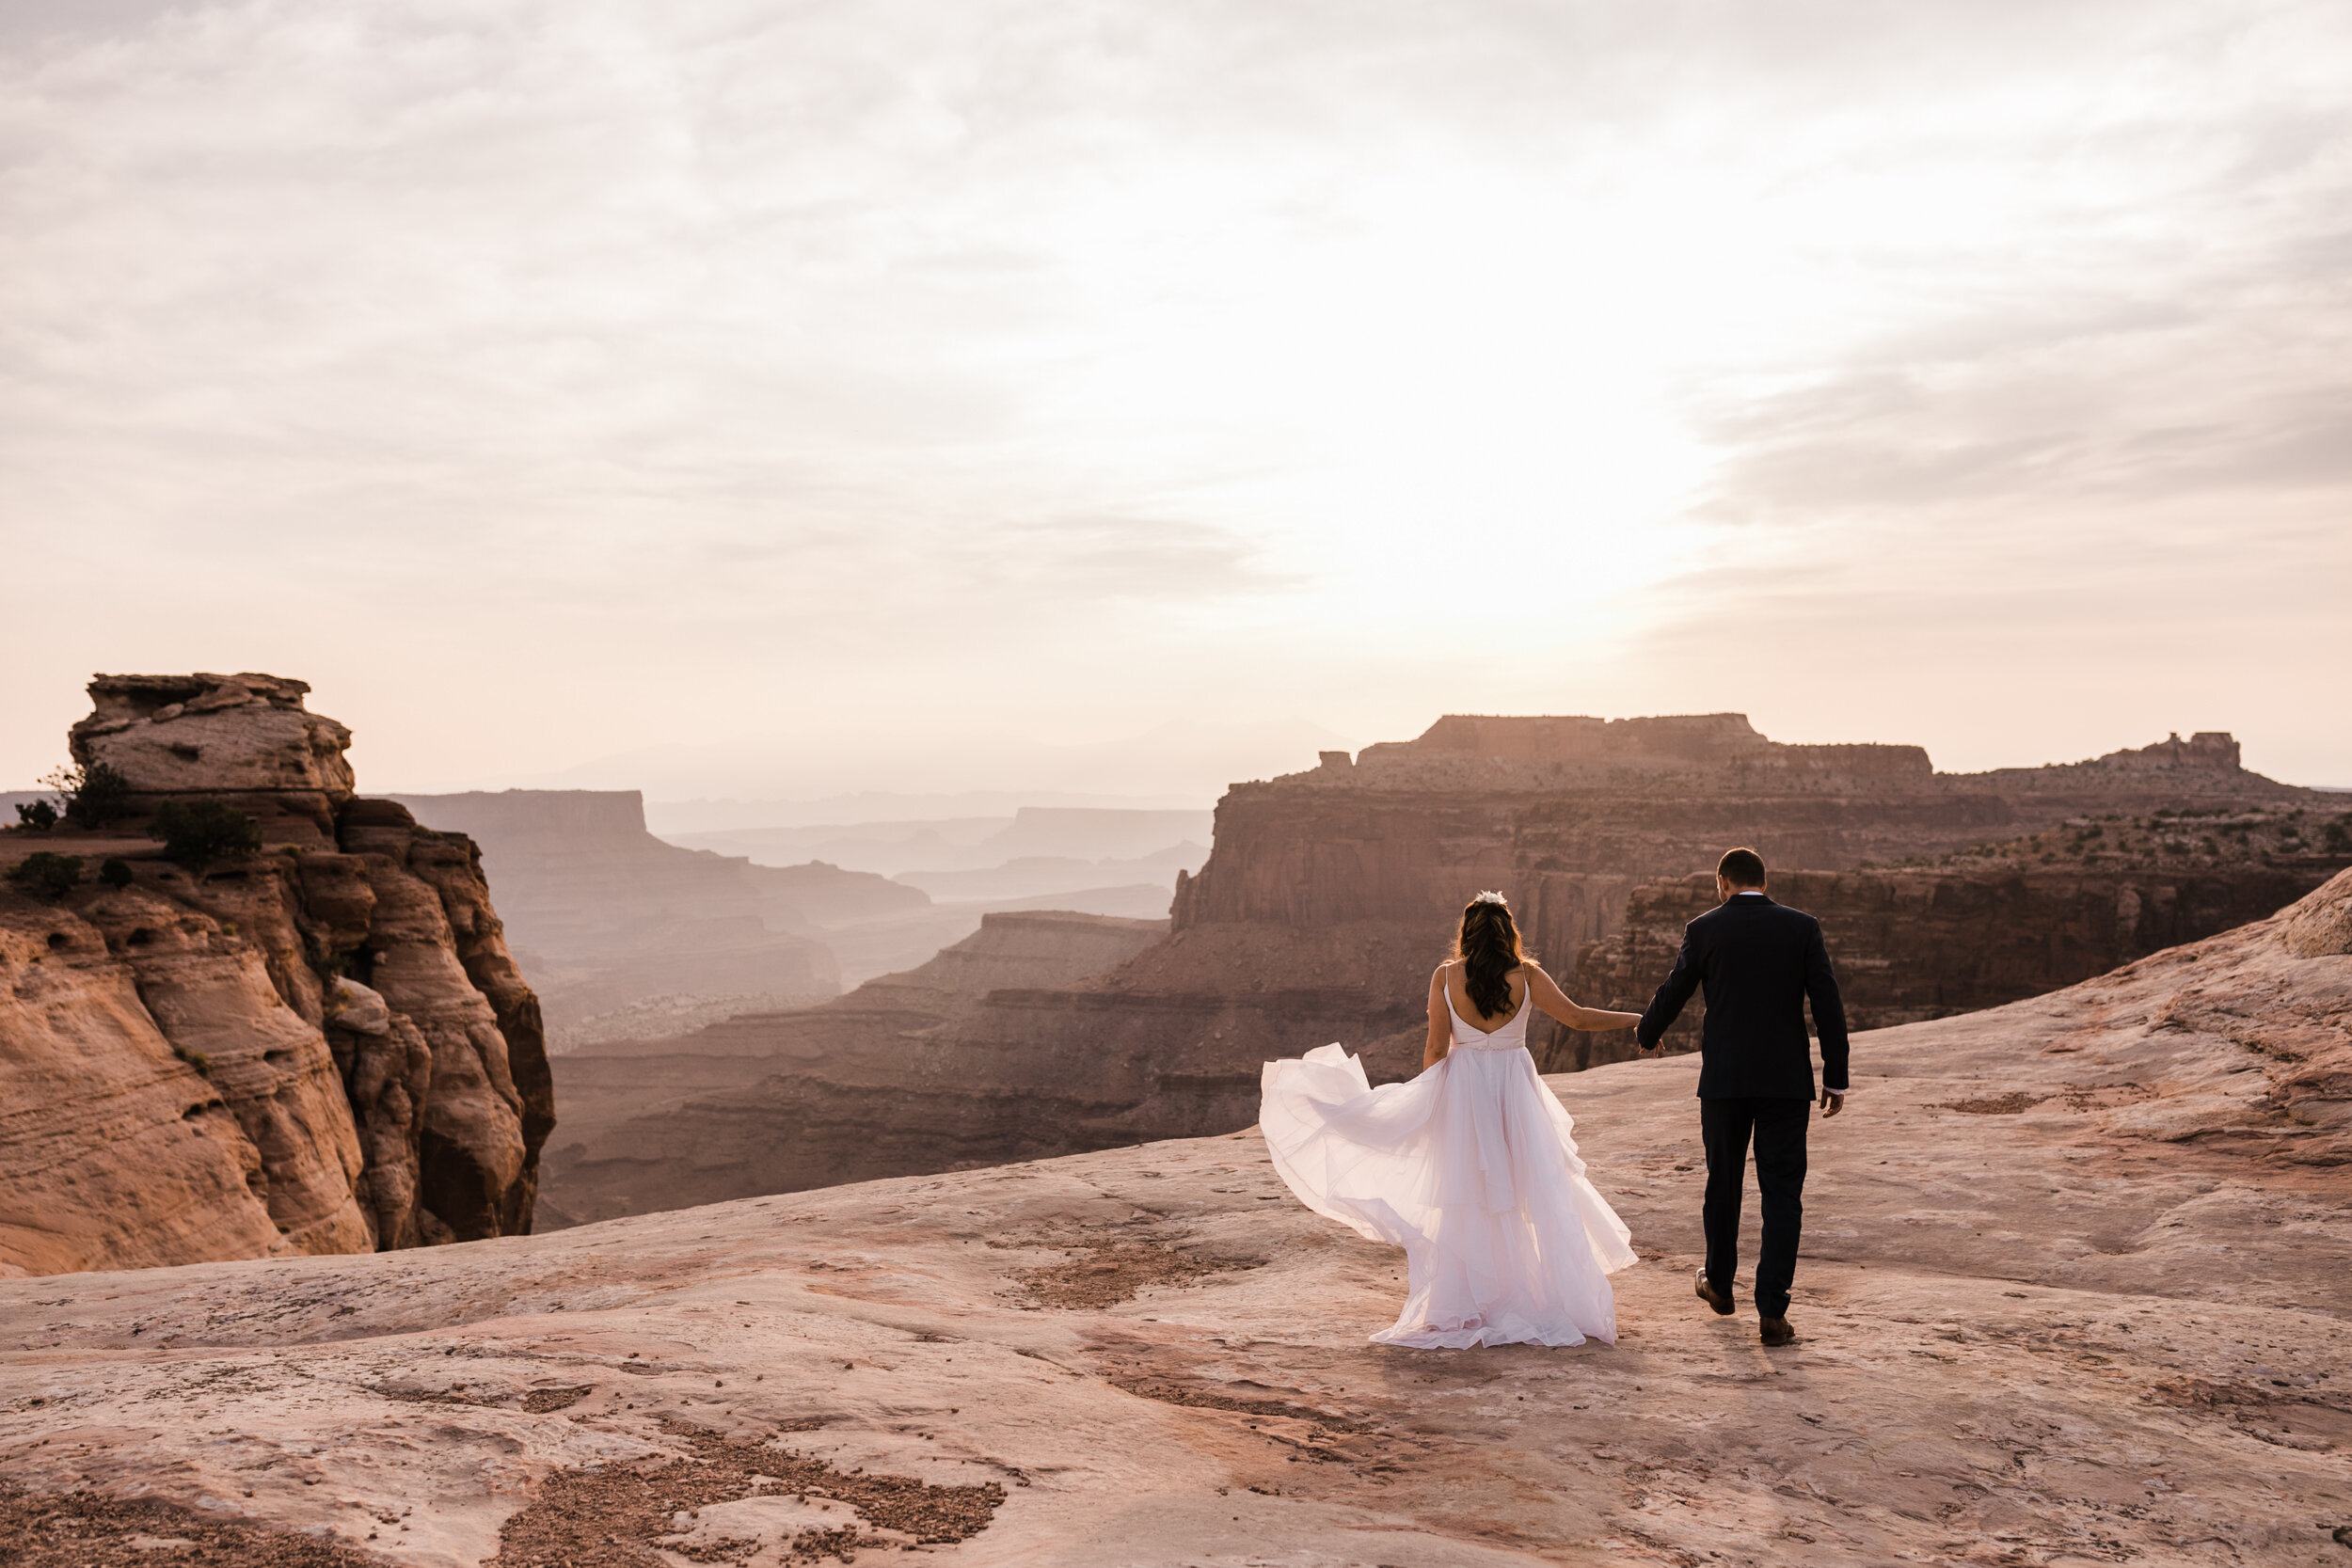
column 2321, row 925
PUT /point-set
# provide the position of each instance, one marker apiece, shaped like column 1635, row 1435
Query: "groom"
column 1759, row 962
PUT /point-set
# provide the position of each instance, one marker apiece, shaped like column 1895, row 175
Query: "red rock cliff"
column 321, row 1047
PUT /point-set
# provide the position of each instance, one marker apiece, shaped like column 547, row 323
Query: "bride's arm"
column 1440, row 1027
column 1552, row 1000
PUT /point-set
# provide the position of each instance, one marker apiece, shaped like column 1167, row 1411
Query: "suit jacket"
column 1759, row 962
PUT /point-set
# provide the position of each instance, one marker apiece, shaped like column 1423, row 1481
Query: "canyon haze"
column 625, row 935
column 1329, row 894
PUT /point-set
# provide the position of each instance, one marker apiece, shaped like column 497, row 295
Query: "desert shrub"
column 47, row 875
column 35, row 816
column 197, row 832
column 115, row 873
column 2339, row 838
column 93, row 796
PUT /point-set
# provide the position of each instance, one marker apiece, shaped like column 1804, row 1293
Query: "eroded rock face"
column 321, row 1048
column 114, row 1151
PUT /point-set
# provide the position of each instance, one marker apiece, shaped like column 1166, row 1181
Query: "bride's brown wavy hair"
column 1488, row 946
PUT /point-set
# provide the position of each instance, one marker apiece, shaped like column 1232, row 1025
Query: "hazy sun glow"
column 782, row 399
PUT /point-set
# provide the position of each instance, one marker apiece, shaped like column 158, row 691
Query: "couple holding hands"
column 1472, row 1167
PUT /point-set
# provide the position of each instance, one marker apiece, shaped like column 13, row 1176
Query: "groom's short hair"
column 1741, row 868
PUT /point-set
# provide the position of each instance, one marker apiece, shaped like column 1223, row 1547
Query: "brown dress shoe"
column 1714, row 1298
column 1776, row 1331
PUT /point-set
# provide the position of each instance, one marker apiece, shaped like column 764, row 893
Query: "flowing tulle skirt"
column 1471, row 1169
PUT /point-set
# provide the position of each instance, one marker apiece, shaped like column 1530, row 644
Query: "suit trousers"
column 1777, row 1127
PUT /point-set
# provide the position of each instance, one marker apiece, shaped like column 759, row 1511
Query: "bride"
column 1470, row 1167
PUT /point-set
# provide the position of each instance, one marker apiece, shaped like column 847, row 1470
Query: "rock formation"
column 778, row 1101
column 2071, row 1292
column 321, row 1047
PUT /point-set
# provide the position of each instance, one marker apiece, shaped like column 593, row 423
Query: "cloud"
column 760, row 364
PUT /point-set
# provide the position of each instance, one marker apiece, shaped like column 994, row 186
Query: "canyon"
column 621, row 932
column 1329, row 894
column 311, row 1041
column 626, row 936
column 781, row 1101
column 2071, row 1293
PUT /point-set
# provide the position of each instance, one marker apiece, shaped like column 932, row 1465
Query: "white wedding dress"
column 1471, row 1169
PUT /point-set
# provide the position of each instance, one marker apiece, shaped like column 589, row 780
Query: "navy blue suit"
column 1759, row 963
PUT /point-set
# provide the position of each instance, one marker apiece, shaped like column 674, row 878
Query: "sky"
column 775, row 400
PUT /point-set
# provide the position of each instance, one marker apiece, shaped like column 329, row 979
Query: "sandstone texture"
column 870, row 1084
column 321, row 1048
column 247, row 738
column 2072, row 1293
column 620, row 932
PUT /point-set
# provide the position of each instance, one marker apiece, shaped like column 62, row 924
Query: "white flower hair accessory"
column 1491, row 896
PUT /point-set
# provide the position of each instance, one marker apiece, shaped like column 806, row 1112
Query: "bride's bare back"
column 1528, row 983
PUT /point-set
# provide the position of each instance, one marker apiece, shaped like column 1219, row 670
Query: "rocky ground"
column 2072, row 1294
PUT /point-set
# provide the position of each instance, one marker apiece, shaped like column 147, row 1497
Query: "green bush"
column 197, row 832
column 116, row 873
column 46, row 875
column 35, row 816
column 104, row 797
column 93, row 796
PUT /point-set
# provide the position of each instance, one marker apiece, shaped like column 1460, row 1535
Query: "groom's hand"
column 1830, row 1104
